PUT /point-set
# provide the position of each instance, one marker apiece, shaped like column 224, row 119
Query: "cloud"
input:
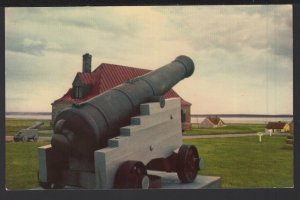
column 23, row 44
column 71, row 30
column 232, row 28
column 243, row 54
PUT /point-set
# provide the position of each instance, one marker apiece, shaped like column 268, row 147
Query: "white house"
column 212, row 122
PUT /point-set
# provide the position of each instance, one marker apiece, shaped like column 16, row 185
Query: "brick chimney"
column 86, row 63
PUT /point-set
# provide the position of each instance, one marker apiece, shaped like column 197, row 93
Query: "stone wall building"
column 88, row 84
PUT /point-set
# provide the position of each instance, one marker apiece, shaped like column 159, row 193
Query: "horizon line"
column 192, row 115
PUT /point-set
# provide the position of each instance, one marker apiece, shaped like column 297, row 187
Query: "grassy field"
column 240, row 162
column 243, row 162
column 228, row 129
column 12, row 126
column 22, row 164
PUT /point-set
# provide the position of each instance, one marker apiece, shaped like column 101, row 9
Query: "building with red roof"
column 88, row 84
column 277, row 127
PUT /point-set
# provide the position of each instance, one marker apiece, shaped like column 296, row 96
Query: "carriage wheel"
column 24, row 139
column 187, row 163
column 35, row 138
column 131, row 174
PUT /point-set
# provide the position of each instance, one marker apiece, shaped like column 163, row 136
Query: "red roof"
column 276, row 125
column 86, row 78
column 107, row 76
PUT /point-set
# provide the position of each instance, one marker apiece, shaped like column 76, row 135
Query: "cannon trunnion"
column 111, row 140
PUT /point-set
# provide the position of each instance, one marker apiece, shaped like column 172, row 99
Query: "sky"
column 242, row 54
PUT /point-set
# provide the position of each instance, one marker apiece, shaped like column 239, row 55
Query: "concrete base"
column 171, row 181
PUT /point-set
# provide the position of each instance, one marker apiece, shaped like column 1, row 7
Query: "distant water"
column 240, row 120
column 246, row 120
column 28, row 116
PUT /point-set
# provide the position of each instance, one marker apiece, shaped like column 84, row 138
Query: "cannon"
column 112, row 140
column 28, row 134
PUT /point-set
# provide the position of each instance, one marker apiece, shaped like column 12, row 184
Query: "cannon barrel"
column 37, row 125
column 86, row 127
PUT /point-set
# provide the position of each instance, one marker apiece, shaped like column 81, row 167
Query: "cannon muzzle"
column 87, row 126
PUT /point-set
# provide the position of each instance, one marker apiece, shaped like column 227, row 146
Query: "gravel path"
column 41, row 138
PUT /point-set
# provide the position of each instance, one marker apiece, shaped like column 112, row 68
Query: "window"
column 78, row 92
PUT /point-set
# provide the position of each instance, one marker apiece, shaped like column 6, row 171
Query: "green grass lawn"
column 22, row 164
column 243, row 162
column 240, row 162
column 12, row 126
column 228, row 129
